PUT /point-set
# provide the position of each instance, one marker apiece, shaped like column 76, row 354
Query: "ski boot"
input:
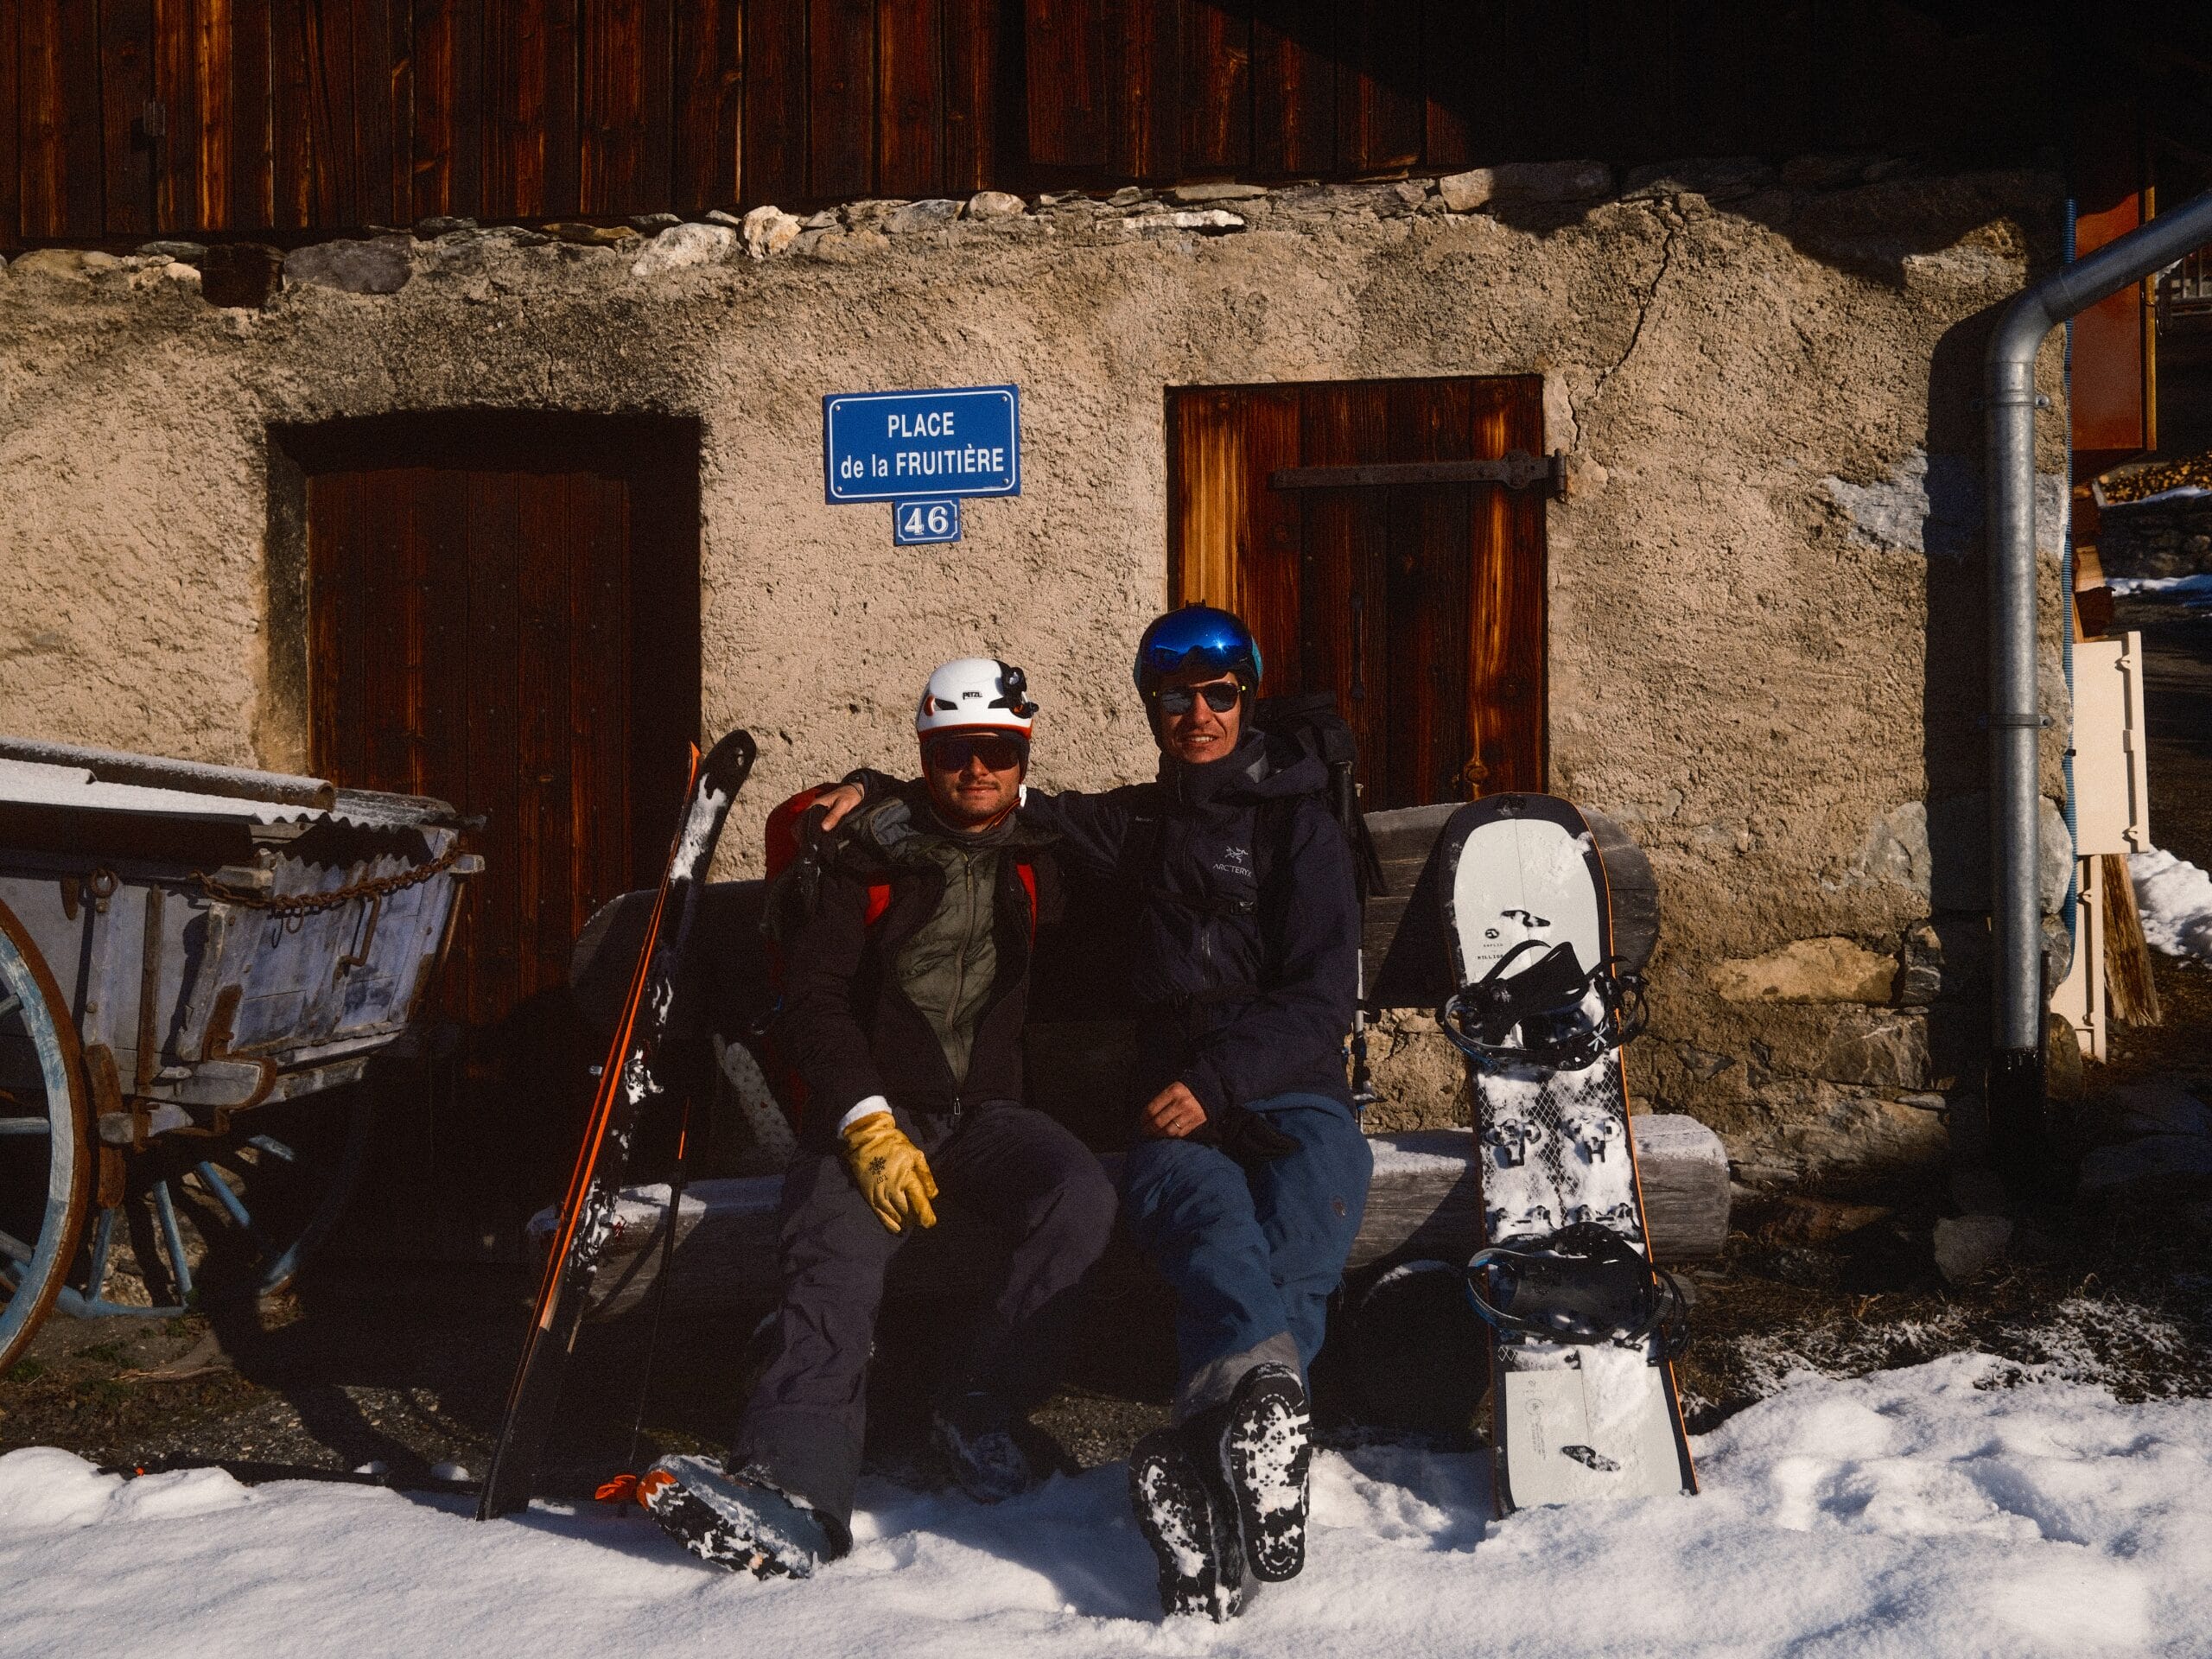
column 1191, row 1528
column 1265, row 1454
column 974, row 1434
column 735, row 1521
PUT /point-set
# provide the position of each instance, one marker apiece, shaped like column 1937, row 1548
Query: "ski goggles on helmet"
column 1199, row 638
column 1221, row 697
column 998, row 751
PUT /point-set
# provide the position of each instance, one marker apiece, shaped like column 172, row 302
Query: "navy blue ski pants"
column 1014, row 1169
column 1253, row 1251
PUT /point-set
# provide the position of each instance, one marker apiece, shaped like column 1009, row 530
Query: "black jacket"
column 846, row 1025
column 1247, row 930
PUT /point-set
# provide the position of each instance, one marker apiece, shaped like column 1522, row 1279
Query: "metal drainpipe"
column 2073, row 902
column 2016, row 1081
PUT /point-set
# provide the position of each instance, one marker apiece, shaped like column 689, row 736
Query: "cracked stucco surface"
column 1747, row 678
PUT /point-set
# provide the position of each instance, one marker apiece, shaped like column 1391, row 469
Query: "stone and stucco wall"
column 2169, row 536
column 1765, row 604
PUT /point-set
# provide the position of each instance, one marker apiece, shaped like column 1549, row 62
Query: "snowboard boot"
column 1266, row 1455
column 974, row 1434
column 1190, row 1529
column 739, row 1521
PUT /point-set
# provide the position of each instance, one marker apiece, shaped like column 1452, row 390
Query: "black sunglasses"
column 998, row 752
column 1181, row 699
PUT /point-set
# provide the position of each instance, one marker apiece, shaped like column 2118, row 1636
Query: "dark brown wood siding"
column 1420, row 607
column 126, row 118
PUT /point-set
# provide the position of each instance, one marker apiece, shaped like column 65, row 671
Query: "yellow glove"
column 892, row 1173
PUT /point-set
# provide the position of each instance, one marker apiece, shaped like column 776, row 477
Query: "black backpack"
column 1310, row 720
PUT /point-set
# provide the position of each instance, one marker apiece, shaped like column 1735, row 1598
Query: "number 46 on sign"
column 936, row 519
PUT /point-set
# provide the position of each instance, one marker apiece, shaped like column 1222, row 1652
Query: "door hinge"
column 1516, row 469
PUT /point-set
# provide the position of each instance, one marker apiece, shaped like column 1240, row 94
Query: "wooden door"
column 502, row 612
column 1420, row 606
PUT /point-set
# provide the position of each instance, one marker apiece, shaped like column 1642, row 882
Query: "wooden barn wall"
column 126, row 118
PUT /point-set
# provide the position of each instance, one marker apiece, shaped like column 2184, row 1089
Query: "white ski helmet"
column 975, row 693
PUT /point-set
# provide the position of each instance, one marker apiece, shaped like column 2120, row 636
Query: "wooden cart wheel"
column 236, row 1215
column 46, row 1162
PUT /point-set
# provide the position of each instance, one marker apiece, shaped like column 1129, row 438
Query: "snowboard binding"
column 1543, row 1013
column 1583, row 1284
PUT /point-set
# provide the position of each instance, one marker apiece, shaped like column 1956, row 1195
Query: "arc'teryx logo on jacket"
column 1247, row 932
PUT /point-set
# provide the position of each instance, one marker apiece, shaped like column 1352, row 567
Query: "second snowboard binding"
column 1582, row 1284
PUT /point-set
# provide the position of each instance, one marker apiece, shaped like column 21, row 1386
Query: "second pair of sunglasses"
column 1181, row 699
column 998, row 753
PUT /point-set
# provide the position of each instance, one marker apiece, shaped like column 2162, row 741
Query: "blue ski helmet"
column 1197, row 637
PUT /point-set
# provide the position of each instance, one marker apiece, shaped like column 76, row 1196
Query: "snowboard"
column 1584, row 1402
column 626, row 1083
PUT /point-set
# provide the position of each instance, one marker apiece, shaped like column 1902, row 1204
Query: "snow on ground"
column 1911, row 1512
column 2176, row 900
column 2195, row 592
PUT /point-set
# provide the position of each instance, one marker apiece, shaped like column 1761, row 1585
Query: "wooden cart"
column 195, row 960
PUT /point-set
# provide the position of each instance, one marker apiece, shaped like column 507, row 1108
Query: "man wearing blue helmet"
column 1247, row 1183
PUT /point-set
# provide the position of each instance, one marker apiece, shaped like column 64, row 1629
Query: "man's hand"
column 1172, row 1113
column 838, row 801
column 890, row 1173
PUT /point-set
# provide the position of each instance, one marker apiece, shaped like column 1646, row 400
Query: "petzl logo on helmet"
column 977, row 693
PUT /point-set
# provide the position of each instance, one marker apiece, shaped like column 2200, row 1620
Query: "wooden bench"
column 1424, row 1203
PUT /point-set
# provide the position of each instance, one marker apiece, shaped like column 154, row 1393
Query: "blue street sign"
column 933, row 518
column 892, row 445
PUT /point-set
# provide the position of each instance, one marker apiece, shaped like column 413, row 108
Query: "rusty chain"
column 308, row 903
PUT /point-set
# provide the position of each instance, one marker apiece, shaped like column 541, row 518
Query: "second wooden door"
column 1421, row 607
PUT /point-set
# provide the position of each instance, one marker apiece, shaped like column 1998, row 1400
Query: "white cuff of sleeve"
column 868, row 1108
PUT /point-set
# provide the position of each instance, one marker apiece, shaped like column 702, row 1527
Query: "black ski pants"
column 1013, row 1167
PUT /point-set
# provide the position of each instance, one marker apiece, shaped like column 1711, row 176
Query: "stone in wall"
column 1817, row 1136
column 1207, row 221
column 768, row 230
column 1933, row 504
column 933, row 214
column 381, row 265
column 1716, row 178
column 1939, row 851
column 579, row 235
column 1808, row 970
column 2171, row 538
column 1419, row 1077
column 1222, row 190
column 682, row 246
column 1524, row 181
column 1944, row 957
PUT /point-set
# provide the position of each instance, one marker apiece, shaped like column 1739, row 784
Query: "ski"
column 626, row 1082
column 1582, row 1329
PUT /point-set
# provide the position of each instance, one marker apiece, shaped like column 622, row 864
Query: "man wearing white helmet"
column 1247, row 1177
column 906, row 939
